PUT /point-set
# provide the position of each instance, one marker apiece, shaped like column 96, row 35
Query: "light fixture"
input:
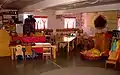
column 92, row 1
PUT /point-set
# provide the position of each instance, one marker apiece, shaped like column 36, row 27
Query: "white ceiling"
column 55, row 5
column 81, row 4
column 17, row 4
column 52, row 4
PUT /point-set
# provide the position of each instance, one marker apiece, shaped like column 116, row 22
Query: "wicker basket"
column 84, row 56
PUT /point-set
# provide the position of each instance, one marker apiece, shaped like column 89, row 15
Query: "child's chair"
column 28, row 52
column 47, row 53
column 113, row 57
column 19, row 52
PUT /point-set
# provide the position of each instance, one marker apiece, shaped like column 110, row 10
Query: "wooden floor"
column 38, row 66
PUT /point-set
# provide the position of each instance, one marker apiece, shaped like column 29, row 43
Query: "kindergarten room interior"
column 53, row 37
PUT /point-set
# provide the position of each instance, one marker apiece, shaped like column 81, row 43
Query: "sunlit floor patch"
column 82, row 71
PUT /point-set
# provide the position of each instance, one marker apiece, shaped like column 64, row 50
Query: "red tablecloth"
column 38, row 50
column 33, row 39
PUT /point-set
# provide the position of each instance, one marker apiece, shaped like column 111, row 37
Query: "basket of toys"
column 92, row 54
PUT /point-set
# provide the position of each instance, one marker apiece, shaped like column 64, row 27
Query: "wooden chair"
column 47, row 54
column 112, row 59
column 19, row 51
column 28, row 51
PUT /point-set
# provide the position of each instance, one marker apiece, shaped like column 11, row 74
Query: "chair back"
column 28, row 50
column 46, row 50
column 19, row 50
column 113, row 55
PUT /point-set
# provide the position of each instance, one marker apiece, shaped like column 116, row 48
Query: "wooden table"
column 53, row 48
column 68, row 40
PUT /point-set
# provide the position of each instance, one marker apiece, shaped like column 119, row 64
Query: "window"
column 70, row 22
column 41, row 22
column 25, row 16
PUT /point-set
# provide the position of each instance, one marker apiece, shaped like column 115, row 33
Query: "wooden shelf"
column 10, row 14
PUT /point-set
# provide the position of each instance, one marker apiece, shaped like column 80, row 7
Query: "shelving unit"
column 7, row 15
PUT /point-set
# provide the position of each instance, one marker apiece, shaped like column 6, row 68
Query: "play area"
column 54, row 37
column 33, row 41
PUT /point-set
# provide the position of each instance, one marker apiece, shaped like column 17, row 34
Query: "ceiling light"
column 93, row 1
column 73, row 1
column 64, row 8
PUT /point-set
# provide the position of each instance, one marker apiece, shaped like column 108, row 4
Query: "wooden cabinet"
column 4, row 43
column 103, row 41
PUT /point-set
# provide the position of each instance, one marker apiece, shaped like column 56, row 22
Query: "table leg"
column 12, row 53
column 54, row 52
column 68, row 47
column 24, row 55
column 73, row 44
column 58, row 47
